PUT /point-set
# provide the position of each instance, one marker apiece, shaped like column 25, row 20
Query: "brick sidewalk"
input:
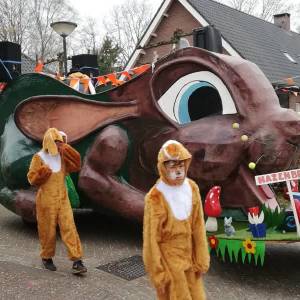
column 106, row 240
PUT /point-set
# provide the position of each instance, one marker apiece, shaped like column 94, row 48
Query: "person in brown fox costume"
column 47, row 171
column 175, row 250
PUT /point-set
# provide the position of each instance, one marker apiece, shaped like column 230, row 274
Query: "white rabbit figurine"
column 229, row 229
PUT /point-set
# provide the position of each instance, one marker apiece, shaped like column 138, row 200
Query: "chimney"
column 283, row 21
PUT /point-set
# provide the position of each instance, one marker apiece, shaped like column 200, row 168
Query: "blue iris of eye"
column 183, row 109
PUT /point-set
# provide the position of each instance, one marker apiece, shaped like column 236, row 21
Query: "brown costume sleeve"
column 38, row 171
column 153, row 219
column 201, row 258
column 71, row 158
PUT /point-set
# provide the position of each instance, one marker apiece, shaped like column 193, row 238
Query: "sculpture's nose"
column 216, row 147
column 276, row 144
column 289, row 126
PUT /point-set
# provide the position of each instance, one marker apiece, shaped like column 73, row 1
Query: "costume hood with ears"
column 51, row 135
column 172, row 150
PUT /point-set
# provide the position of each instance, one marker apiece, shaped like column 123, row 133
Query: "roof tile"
column 256, row 40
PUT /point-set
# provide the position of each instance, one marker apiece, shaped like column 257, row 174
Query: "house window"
column 289, row 57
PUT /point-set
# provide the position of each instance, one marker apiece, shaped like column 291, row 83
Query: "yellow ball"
column 244, row 138
column 252, row 165
column 235, row 125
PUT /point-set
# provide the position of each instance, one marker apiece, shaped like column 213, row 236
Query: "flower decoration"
column 213, row 242
column 257, row 227
column 250, row 246
column 254, row 210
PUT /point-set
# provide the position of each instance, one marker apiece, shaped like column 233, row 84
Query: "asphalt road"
column 109, row 239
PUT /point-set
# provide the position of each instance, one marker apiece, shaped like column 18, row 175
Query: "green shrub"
column 273, row 219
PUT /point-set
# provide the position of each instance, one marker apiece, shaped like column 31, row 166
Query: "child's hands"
column 59, row 146
column 198, row 274
column 162, row 290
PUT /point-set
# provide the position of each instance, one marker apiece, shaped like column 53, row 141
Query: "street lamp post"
column 65, row 54
column 64, row 29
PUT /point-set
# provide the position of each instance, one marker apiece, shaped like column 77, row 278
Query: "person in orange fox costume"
column 47, row 171
column 175, row 249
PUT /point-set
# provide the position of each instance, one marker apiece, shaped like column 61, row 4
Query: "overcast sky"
column 99, row 9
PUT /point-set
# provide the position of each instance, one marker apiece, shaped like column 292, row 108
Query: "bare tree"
column 271, row 7
column 27, row 22
column 88, row 37
column 128, row 22
column 44, row 42
column 15, row 21
column 264, row 9
column 247, row 6
column 295, row 18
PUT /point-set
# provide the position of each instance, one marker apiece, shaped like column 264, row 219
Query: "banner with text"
column 277, row 177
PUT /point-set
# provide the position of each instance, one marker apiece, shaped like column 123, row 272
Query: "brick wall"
column 179, row 18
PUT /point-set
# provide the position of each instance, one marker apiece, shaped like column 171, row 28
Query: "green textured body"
column 16, row 149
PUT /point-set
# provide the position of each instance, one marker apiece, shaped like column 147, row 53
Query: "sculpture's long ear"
column 75, row 116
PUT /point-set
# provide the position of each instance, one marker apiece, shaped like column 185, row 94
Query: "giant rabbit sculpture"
column 192, row 95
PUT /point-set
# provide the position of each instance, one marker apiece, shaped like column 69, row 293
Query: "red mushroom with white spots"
column 212, row 208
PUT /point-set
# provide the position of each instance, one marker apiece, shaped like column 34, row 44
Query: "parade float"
column 221, row 108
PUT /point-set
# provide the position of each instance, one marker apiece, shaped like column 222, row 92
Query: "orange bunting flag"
column 85, row 82
column 73, row 82
column 39, row 66
column 113, row 78
column 295, row 93
column 141, row 69
column 126, row 75
column 290, row 81
column 101, row 80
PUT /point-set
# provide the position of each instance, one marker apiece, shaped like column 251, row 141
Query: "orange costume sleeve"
column 71, row 159
column 153, row 219
column 201, row 258
column 38, row 171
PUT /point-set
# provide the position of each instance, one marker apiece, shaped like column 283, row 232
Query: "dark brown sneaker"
column 48, row 264
column 78, row 267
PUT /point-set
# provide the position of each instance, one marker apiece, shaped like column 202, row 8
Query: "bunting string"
column 112, row 78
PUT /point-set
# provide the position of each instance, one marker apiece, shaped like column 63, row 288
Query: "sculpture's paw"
column 98, row 181
column 105, row 191
column 21, row 202
column 25, row 205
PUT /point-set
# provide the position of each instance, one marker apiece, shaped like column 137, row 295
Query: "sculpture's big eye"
column 195, row 96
